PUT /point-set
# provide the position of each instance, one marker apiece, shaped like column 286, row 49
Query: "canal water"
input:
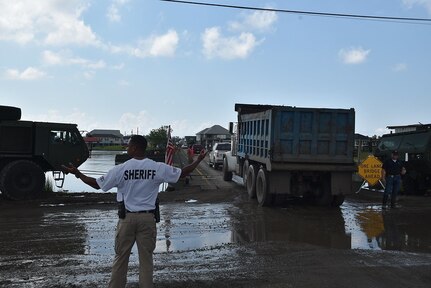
column 97, row 165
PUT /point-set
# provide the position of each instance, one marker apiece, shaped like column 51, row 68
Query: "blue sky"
column 129, row 64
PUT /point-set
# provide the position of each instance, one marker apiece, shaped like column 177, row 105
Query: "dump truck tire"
column 324, row 197
column 262, row 188
column 337, row 200
column 251, row 182
column 22, row 179
column 244, row 172
column 227, row 176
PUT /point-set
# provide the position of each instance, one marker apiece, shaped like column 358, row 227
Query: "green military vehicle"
column 29, row 149
column 414, row 149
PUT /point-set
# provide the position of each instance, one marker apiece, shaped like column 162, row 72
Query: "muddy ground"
column 212, row 235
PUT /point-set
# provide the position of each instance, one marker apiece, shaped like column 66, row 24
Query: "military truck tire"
column 227, row 175
column 245, row 172
column 22, row 179
column 251, row 182
column 262, row 188
column 10, row 113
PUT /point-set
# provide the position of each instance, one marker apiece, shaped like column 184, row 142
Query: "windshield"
column 415, row 142
column 224, row 146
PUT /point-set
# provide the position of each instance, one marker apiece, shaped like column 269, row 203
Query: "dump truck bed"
column 284, row 134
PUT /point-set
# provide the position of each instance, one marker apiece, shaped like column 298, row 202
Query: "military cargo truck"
column 414, row 149
column 29, row 149
column 285, row 151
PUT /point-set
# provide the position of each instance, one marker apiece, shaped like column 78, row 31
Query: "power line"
column 339, row 15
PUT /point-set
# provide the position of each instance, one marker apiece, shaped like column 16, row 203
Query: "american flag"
column 169, row 156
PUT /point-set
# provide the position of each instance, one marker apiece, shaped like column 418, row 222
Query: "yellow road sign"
column 370, row 170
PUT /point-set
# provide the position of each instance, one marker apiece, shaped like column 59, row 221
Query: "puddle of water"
column 194, row 226
column 377, row 229
column 184, row 227
column 295, row 224
column 191, row 227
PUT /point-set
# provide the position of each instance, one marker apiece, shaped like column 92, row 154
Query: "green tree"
column 158, row 137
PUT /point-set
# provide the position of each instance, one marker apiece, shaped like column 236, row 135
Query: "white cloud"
column 142, row 121
column 400, row 67
column 155, row 46
column 424, row 3
column 239, row 46
column 28, row 74
column 353, row 55
column 89, row 75
column 124, row 83
column 260, row 21
column 50, row 22
column 65, row 58
column 215, row 45
column 113, row 12
column 83, row 120
column 118, row 67
column 164, row 45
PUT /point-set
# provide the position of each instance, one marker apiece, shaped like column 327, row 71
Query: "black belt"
column 143, row 211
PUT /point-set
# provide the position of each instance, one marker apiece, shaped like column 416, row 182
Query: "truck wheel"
column 324, row 196
column 227, row 176
column 22, row 179
column 337, row 200
column 251, row 182
column 262, row 189
column 245, row 172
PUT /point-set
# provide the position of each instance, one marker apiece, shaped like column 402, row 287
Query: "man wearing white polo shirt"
column 137, row 181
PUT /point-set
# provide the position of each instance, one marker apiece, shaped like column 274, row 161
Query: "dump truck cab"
column 29, row 149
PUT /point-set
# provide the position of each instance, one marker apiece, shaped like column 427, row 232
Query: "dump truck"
column 29, row 149
column 414, row 148
column 283, row 151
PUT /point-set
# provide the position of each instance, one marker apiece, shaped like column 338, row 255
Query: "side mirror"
column 231, row 127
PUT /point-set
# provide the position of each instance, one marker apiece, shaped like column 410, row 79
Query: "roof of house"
column 360, row 136
column 202, row 132
column 105, row 133
column 214, row 130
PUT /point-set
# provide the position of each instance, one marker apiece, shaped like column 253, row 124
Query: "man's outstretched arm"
column 90, row 181
column 189, row 168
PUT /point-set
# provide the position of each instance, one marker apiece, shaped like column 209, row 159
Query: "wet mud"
column 219, row 238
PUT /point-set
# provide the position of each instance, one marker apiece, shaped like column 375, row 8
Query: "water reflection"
column 377, row 229
column 311, row 225
column 193, row 226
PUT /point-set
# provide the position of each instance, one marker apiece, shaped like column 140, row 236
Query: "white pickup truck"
column 216, row 154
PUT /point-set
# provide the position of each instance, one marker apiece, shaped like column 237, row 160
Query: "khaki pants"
column 139, row 227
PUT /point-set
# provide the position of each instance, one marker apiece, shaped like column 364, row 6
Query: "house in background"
column 106, row 137
column 209, row 136
column 365, row 143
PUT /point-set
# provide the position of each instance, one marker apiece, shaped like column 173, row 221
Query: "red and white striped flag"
column 169, row 156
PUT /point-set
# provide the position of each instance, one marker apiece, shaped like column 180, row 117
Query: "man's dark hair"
column 139, row 141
